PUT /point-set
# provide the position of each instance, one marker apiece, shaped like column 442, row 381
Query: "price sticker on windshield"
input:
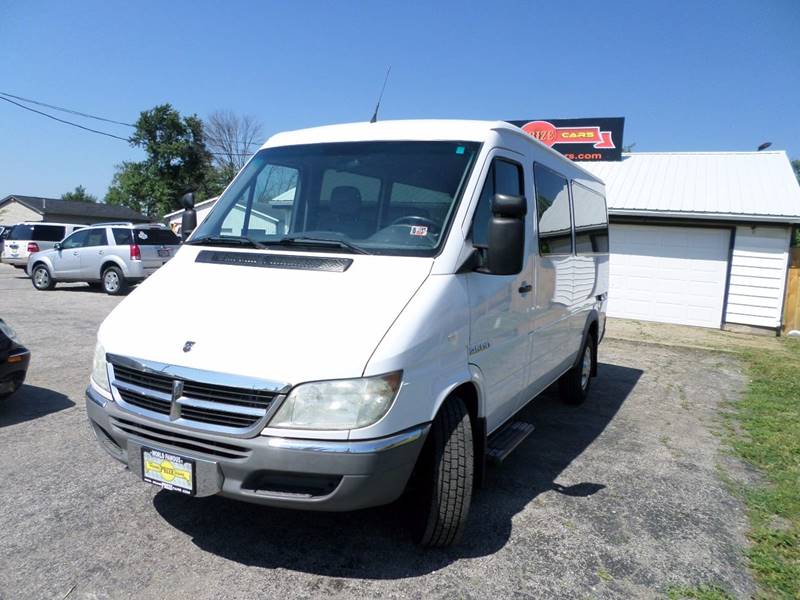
column 419, row 230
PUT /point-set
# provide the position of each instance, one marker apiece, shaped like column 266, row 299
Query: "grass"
column 702, row 592
column 769, row 419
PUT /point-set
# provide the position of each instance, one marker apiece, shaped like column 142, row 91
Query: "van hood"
column 284, row 324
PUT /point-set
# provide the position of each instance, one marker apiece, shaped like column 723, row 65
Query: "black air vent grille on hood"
column 275, row 261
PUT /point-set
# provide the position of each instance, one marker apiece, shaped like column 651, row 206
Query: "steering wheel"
column 415, row 220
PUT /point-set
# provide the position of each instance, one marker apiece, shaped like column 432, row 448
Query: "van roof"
column 408, row 130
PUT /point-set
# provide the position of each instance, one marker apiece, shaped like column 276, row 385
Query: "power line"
column 66, row 110
column 105, row 133
column 49, row 116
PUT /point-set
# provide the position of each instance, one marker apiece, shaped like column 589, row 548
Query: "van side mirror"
column 189, row 216
column 506, row 235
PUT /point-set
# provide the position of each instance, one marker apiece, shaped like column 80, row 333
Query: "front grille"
column 180, row 440
column 200, row 402
column 162, row 383
column 143, row 401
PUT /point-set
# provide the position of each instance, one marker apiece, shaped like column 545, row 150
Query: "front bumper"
column 286, row 472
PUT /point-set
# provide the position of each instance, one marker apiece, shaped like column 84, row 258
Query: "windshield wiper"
column 302, row 240
column 227, row 240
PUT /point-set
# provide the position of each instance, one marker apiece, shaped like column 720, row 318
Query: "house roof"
column 197, row 206
column 74, row 208
column 741, row 186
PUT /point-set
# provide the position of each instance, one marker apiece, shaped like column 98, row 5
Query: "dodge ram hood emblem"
column 188, row 346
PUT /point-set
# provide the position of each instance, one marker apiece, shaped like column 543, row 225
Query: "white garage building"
column 700, row 238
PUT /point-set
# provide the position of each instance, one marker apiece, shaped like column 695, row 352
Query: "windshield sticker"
column 460, row 150
column 419, row 230
column 142, row 235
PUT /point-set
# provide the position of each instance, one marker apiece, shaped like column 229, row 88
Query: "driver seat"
column 345, row 212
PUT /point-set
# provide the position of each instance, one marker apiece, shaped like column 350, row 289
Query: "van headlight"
column 338, row 404
column 99, row 369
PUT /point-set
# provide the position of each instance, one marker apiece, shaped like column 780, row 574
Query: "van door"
column 500, row 305
column 67, row 261
column 553, row 338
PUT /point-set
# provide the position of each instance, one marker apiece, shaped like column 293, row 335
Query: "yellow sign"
column 167, row 470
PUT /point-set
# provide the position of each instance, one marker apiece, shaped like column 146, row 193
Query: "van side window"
column 591, row 220
column 552, row 203
column 504, row 177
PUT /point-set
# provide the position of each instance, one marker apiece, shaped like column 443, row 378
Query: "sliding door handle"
column 525, row 288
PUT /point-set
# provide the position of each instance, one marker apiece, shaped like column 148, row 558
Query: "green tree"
column 80, row 194
column 177, row 161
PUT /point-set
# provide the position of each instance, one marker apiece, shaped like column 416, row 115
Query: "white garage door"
column 668, row 274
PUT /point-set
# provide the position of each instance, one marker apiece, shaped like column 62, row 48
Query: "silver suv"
column 111, row 256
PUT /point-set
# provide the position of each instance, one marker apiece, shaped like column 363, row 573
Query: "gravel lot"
column 619, row 498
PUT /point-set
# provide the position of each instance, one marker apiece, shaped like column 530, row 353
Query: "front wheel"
column 574, row 384
column 113, row 281
column 41, row 278
column 444, row 477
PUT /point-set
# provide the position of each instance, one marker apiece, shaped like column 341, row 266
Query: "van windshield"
column 375, row 197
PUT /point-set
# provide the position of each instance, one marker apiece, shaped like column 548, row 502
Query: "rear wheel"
column 113, row 282
column 443, row 478
column 41, row 278
column 574, row 384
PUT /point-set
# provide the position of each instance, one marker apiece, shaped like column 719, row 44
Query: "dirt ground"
column 618, row 498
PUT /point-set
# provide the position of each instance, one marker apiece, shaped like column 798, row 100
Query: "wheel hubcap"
column 586, row 367
column 112, row 281
column 41, row 277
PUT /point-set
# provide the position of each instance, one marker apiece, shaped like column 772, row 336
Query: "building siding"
column 13, row 212
column 758, row 276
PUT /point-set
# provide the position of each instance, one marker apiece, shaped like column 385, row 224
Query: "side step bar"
column 503, row 441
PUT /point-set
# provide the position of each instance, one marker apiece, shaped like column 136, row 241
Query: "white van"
column 363, row 313
column 28, row 238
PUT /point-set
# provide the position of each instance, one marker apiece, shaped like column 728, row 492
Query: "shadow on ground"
column 30, row 402
column 375, row 543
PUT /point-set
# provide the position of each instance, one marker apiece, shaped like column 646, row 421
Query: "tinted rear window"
column 155, row 237
column 37, row 233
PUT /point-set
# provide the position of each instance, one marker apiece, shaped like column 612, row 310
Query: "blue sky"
column 687, row 75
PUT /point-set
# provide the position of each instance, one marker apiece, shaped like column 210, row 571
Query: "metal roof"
column 740, row 186
column 48, row 207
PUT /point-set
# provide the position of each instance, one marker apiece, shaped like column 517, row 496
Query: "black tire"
column 113, row 281
column 41, row 278
column 443, row 478
column 574, row 385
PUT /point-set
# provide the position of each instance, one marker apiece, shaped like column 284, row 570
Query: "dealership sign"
column 579, row 139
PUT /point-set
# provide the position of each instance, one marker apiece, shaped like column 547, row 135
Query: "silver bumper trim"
column 352, row 446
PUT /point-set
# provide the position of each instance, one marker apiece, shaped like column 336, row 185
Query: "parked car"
column 363, row 313
column 4, row 231
column 14, row 361
column 111, row 256
column 25, row 239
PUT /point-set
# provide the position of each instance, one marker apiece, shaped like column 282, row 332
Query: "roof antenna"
column 380, row 97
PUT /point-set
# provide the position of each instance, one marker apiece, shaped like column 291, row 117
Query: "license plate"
column 163, row 252
column 169, row 471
